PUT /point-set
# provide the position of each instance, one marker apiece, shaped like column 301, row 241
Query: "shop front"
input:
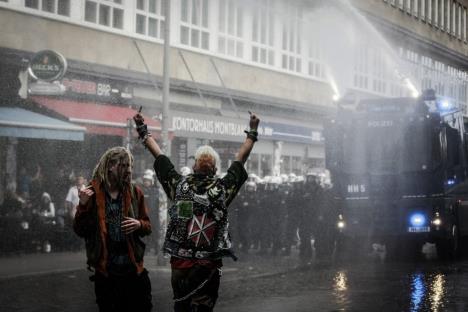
column 28, row 138
column 282, row 148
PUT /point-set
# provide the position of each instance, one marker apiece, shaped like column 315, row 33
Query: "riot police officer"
column 292, row 202
column 277, row 212
column 151, row 194
column 307, row 212
column 247, row 206
column 325, row 223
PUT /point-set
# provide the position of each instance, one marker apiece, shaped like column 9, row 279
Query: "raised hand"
column 85, row 194
column 139, row 120
column 141, row 128
column 254, row 121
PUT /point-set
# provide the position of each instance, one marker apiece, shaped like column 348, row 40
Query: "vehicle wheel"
column 449, row 248
column 463, row 246
column 455, row 242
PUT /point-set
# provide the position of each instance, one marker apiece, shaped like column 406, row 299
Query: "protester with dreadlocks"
column 112, row 216
column 197, row 235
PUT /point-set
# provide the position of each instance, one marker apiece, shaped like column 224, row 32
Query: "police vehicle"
column 399, row 172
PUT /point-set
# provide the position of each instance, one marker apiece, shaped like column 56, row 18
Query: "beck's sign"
column 47, row 65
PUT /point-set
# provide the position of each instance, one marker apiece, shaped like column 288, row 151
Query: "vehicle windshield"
column 386, row 147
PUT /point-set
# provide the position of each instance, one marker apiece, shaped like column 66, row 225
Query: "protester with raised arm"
column 197, row 235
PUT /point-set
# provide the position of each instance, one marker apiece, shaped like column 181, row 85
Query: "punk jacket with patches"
column 198, row 226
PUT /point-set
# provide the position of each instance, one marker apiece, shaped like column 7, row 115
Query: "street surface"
column 59, row 282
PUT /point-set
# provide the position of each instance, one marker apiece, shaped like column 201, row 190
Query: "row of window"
column 244, row 32
column 61, row 7
column 448, row 81
column 371, row 73
column 447, row 15
column 269, row 33
column 149, row 18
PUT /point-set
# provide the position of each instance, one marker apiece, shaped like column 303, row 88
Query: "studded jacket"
column 198, row 226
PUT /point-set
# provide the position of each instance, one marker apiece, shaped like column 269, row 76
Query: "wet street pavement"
column 429, row 286
column 253, row 284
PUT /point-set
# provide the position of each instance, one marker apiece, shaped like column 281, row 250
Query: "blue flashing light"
column 417, row 219
column 445, row 106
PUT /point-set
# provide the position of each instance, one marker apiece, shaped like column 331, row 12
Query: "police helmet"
column 292, row 178
column 251, row 186
column 185, row 171
column 148, row 175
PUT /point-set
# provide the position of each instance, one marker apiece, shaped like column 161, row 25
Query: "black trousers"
column 195, row 289
column 123, row 294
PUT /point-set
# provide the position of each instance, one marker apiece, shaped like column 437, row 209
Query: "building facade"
column 288, row 61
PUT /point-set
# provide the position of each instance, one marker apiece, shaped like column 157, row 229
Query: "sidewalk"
column 12, row 266
column 251, row 265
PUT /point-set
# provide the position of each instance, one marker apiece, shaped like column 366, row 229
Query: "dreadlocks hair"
column 108, row 159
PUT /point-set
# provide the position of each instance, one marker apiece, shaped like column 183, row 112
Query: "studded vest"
column 198, row 226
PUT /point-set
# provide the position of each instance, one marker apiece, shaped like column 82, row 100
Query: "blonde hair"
column 206, row 153
column 108, row 159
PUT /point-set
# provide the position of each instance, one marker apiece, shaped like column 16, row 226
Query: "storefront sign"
column 199, row 125
column 292, row 133
column 108, row 90
column 192, row 125
column 47, row 65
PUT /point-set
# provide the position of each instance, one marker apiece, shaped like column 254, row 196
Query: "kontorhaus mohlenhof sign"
column 47, row 65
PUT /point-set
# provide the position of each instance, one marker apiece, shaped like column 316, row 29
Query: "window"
column 296, row 165
column 448, row 81
column 459, row 22
column 415, row 7
column 439, row 70
column 231, row 23
column 400, row 4
column 48, row 6
column 442, row 14
column 454, row 19
column 291, row 35
column 408, row 6
column 32, row 4
column 60, row 7
column 464, row 25
column 361, row 68
column 423, row 10
column 263, row 35
column 285, row 164
column 448, row 10
column 378, row 71
column 194, row 24
column 107, row 13
column 426, row 79
column 429, row 11
column 90, row 11
column 316, row 67
column 150, row 18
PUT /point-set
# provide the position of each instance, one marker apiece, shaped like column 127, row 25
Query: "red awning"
column 97, row 118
